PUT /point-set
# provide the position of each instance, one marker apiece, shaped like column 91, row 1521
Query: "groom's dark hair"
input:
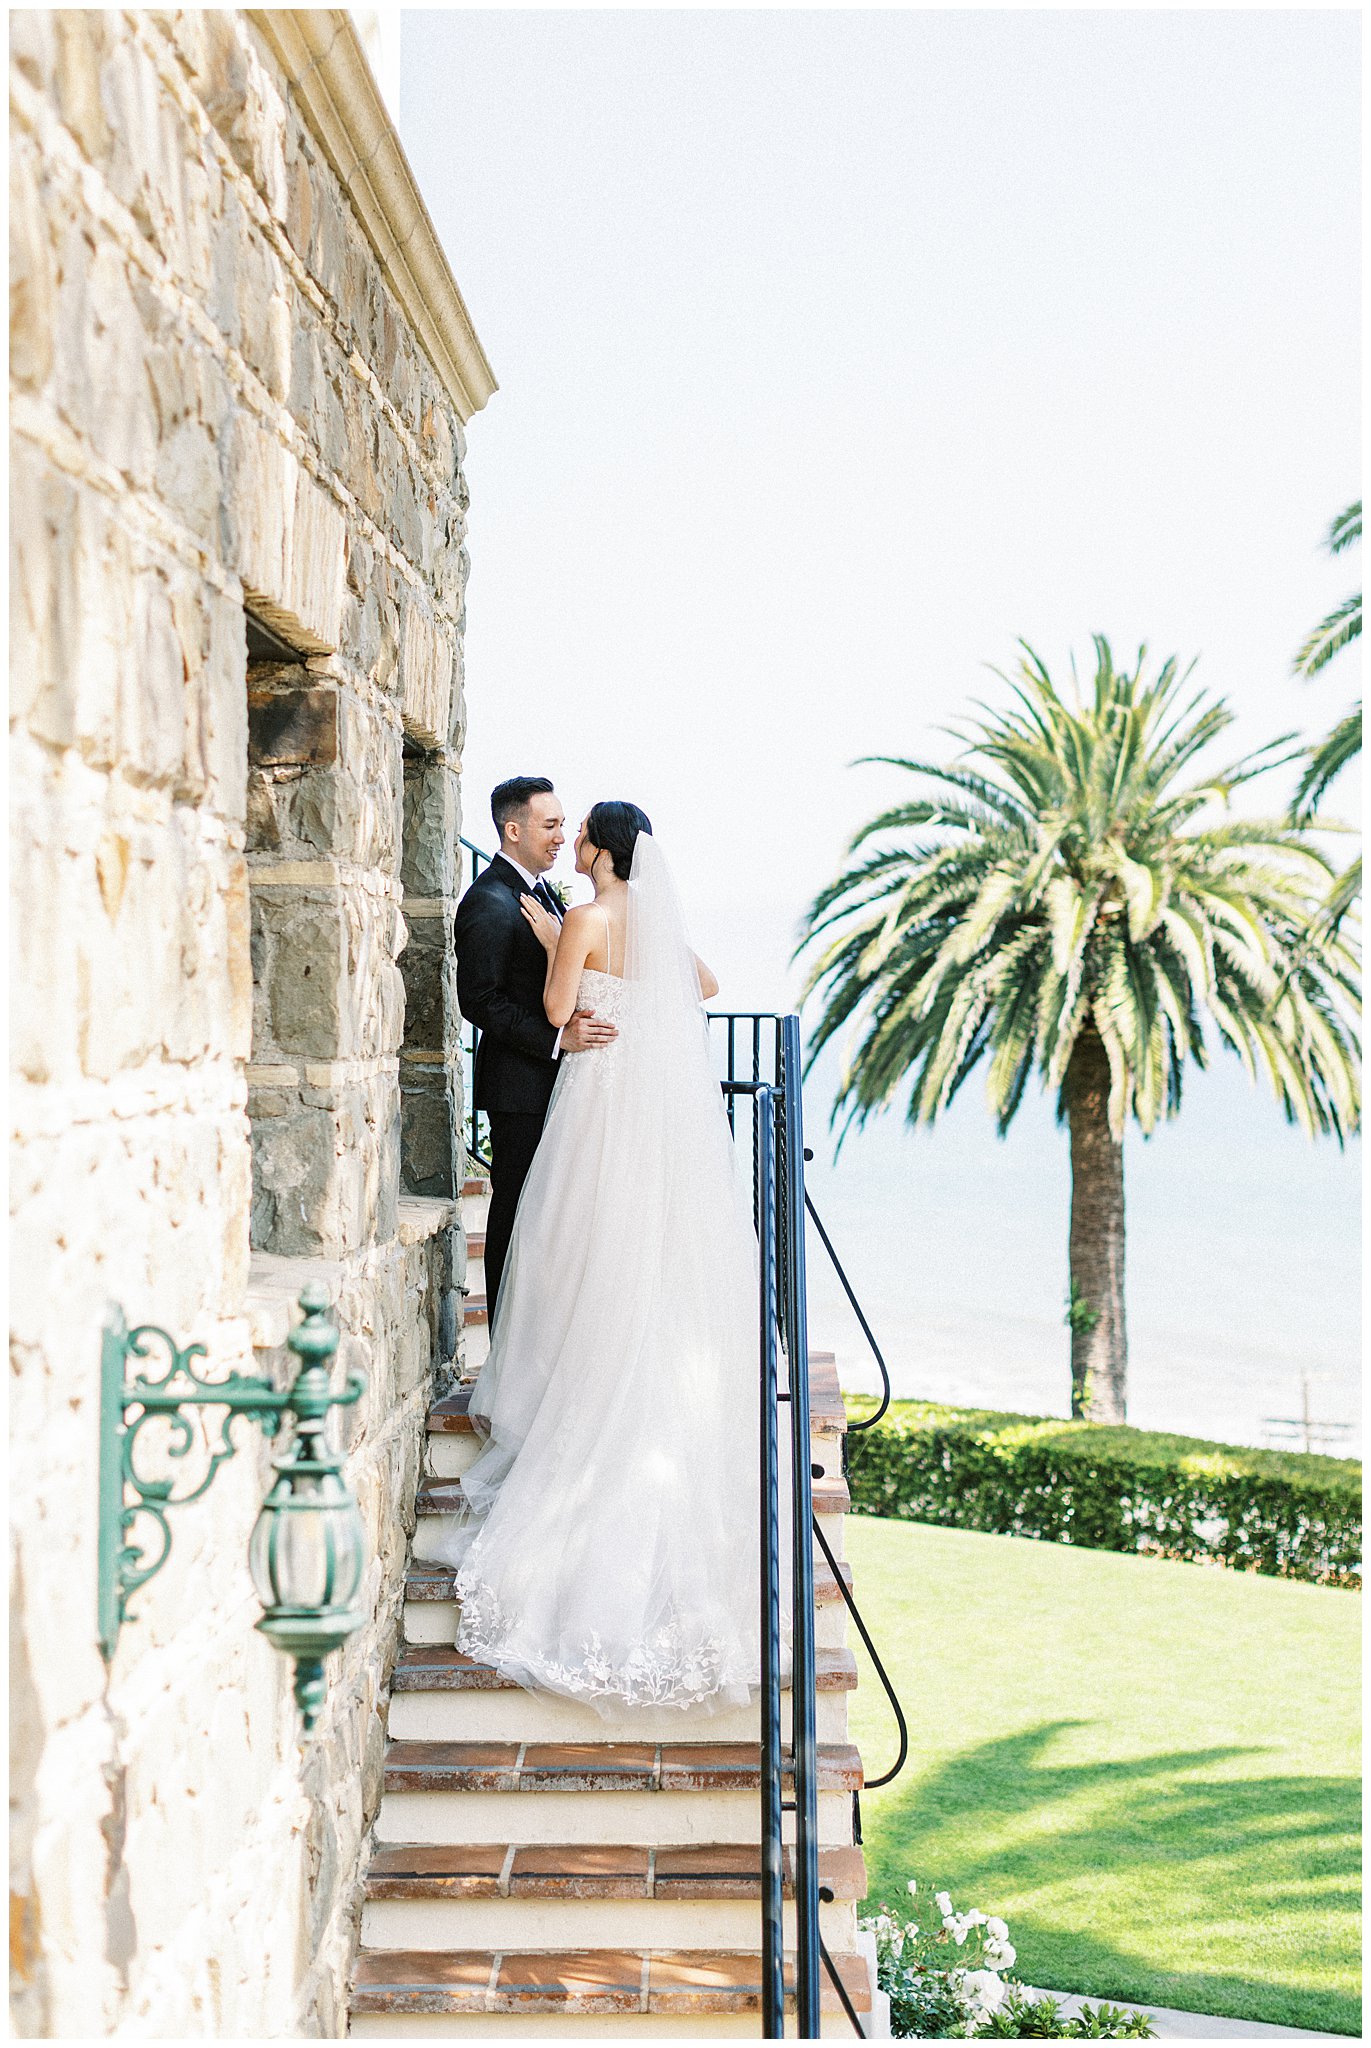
column 509, row 797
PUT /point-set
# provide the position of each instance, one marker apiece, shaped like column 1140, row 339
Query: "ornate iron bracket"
column 135, row 1532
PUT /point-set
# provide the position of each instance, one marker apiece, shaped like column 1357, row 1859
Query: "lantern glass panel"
column 306, row 1549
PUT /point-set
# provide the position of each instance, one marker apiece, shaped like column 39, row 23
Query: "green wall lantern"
column 306, row 1551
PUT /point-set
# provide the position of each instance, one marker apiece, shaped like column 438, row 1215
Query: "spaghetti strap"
column 609, row 943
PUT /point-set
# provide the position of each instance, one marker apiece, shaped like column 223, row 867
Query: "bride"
column 607, row 1547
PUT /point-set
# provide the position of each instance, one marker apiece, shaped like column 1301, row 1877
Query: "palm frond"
column 1330, row 636
column 1345, row 529
column 1326, row 762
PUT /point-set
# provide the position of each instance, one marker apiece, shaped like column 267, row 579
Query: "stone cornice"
column 330, row 79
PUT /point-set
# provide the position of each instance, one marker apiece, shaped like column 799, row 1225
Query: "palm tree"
column 1070, row 897
column 1327, row 760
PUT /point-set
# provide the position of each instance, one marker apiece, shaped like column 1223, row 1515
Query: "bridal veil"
column 609, row 1544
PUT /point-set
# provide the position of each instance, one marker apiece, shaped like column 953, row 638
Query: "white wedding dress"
column 609, row 1541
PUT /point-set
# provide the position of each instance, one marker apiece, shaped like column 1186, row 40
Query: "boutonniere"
column 562, row 891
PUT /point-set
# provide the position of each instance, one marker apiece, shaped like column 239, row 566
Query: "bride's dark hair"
column 613, row 827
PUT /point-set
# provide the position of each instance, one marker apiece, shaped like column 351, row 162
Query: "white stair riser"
column 519, row 1924
column 475, row 1348
column 449, row 1454
column 475, row 1210
column 435, row 1621
column 645, row 1819
column 546, row 2026
column 432, row 1533
column 514, row 1715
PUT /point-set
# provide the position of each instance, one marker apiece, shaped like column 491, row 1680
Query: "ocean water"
column 1243, row 1264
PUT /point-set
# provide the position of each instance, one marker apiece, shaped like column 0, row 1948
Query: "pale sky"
column 839, row 349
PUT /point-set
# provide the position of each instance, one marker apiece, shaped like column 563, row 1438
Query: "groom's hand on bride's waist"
column 586, row 1031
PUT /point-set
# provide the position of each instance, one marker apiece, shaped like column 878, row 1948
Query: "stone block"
column 291, row 723
column 295, row 1202
column 304, row 978
column 430, row 1139
column 213, row 657
column 325, row 1177
column 457, row 729
column 428, row 967
column 215, row 55
column 82, row 39
column 63, row 646
column 151, row 730
column 432, row 828
column 97, row 380
column 33, row 44
column 31, row 277
column 345, row 809
column 149, row 157
column 285, row 537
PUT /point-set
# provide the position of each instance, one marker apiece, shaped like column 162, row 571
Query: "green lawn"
column 1151, row 1770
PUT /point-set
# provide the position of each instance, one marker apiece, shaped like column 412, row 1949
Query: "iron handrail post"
column 803, row 1735
column 902, row 1726
column 772, row 1858
column 479, row 858
column 869, row 1421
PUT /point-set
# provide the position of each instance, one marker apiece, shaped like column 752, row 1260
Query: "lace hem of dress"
column 675, row 1667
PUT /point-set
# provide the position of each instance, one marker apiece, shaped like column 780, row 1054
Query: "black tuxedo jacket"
column 501, row 969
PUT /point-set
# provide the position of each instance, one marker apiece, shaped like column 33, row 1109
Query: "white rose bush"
column 946, row 1976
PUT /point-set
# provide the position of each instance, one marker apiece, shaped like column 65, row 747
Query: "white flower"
column 913, row 1887
column 959, row 1931
column 975, row 1918
column 996, row 1928
column 985, row 1990
column 1001, row 1955
column 943, row 1901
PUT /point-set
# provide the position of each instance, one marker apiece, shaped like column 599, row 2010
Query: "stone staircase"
column 541, row 1871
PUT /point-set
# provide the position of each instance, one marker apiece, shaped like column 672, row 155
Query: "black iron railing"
column 761, row 1061
column 477, row 1144
column 761, row 1058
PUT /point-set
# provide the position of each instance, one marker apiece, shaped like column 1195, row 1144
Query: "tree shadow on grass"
column 1002, row 1822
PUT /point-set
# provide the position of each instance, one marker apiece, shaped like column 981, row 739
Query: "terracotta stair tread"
column 827, row 1410
column 593, row 1870
column 475, row 1184
column 429, row 1581
column 476, row 1244
column 827, row 1413
column 436, row 1667
column 449, row 1417
column 599, row 1767
column 443, row 1497
column 474, row 1310
column 576, row 1980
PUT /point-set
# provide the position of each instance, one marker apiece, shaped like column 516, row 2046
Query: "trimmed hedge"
column 1291, row 1514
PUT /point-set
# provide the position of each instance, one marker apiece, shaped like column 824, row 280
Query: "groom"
column 501, row 969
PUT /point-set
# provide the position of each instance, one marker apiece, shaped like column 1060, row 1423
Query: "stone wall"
column 232, row 868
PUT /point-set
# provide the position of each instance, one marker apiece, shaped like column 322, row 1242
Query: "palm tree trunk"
column 1099, row 1335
